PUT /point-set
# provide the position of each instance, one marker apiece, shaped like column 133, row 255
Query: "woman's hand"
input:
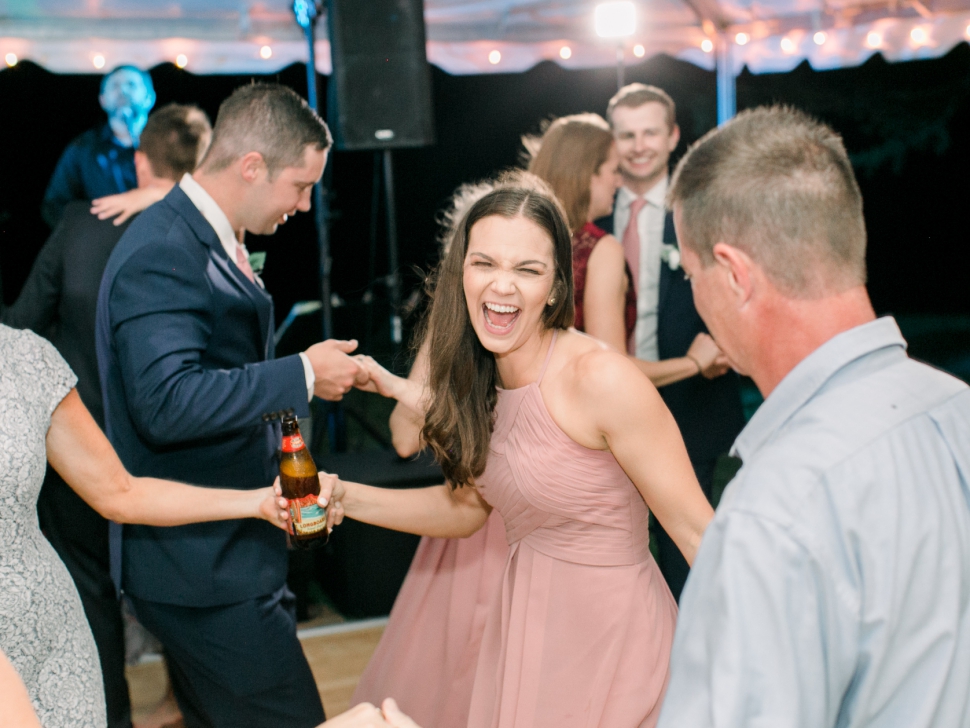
column 273, row 507
column 126, row 204
column 708, row 355
column 332, row 491
column 380, row 380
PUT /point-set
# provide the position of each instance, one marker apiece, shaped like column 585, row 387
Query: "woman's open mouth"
column 499, row 318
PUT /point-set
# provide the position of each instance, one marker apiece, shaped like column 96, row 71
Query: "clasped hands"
column 337, row 372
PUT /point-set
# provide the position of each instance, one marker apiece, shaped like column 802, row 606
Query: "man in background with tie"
column 707, row 408
column 191, row 390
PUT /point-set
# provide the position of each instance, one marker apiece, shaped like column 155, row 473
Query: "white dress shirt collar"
column 656, row 195
column 212, row 213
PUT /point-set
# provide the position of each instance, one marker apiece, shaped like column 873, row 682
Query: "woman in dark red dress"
column 577, row 158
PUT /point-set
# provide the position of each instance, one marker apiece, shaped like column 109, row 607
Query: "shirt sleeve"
column 311, row 378
column 761, row 640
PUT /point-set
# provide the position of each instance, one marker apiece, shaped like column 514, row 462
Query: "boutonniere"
column 670, row 254
column 257, row 261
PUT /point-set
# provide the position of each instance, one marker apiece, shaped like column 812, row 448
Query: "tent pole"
column 726, row 100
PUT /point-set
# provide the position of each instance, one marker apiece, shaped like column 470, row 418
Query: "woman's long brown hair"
column 569, row 153
column 463, row 375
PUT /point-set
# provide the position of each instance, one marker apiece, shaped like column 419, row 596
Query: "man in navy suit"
column 191, row 392
column 707, row 408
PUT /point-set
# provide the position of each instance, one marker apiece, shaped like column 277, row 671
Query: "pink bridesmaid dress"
column 427, row 655
column 579, row 633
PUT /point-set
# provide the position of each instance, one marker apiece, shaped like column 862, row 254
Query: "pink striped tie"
column 631, row 240
column 242, row 260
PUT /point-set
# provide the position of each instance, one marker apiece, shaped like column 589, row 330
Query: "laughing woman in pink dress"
column 571, row 444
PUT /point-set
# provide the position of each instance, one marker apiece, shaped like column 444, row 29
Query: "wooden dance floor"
column 337, row 655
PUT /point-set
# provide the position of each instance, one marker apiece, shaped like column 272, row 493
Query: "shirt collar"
column 804, row 381
column 656, row 195
column 212, row 213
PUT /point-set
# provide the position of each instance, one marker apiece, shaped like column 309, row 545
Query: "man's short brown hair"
column 634, row 95
column 174, row 140
column 778, row 185
column 270, row 119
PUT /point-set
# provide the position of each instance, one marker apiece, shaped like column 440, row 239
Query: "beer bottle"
column 301, row 486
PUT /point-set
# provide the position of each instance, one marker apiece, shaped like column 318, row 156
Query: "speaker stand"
column 307, row 12
column 394, row 275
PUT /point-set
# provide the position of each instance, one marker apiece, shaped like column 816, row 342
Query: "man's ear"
column 739, row 269
column 251, row 165
column 674, row 138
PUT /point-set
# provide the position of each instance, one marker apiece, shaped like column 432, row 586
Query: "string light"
column 494, row 57
column 11, row 59
column 565, row 53
column 707, row 45
column 615, row 19
column 181, row 60
column 639, row 51
column 741, row 38
column 265, row 52
column 788, row 45
column 918, row 35
column 873, row 39
column 820, row 37
column 98, row 61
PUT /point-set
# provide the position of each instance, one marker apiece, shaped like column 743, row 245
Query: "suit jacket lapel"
column 262, row 301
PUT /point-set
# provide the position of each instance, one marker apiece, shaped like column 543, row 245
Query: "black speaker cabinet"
column 380, row 90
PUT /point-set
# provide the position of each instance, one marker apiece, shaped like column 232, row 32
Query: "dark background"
column 906, row 125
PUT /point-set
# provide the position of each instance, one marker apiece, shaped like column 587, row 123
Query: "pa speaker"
column 380, row 90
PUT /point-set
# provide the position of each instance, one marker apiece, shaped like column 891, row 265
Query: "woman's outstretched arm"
column 407, row 419
column 603, row 309
column 79, row 451
column 625, row 413
column 437, row 511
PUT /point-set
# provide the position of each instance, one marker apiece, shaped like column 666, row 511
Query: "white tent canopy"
column 261, row 36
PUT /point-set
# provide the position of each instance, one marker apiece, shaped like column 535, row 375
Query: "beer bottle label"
column 292, row 443
column 307, row 516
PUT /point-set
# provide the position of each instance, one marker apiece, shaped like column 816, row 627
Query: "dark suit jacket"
column 93, row 165
column 185, row 351
column 708, row 411
column 59, row 298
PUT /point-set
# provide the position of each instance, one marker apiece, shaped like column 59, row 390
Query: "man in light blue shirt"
column 832, row 587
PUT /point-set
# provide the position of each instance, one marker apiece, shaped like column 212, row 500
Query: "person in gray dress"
column 43, row 630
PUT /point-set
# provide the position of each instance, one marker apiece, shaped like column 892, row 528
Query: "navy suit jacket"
column 185, row 353
column 708, row 411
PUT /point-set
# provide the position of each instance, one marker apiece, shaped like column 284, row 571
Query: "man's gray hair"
column 267, row 118
column 778, row 185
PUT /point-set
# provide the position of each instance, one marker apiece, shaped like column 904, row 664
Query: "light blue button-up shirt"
column 832, row 587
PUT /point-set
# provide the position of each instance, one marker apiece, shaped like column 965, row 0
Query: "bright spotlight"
column 819, row 38
column 98, row 61
column 741, row 38
column 918, row 35
column 707, row 45
column 639, row 51
column 11, row 59
column 181, row 60
column 266, row 53
column 873, row 39
column 788, row 45
column 494, row 57
column 565, row 53
column 615, row 19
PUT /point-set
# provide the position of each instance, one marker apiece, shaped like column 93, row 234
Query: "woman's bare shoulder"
column 593, row 368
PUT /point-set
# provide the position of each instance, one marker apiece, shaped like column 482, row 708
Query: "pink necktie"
column 242, row 260
column 631, row 240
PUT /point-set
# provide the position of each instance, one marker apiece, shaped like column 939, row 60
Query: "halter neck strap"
column 545, row 364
